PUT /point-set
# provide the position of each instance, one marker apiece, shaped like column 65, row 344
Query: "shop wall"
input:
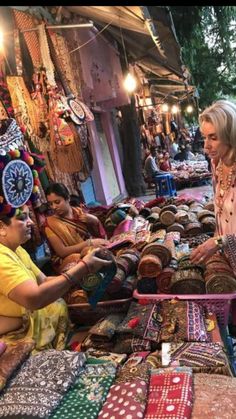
column 102, row 90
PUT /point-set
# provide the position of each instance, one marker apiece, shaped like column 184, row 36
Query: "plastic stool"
column 165, row 185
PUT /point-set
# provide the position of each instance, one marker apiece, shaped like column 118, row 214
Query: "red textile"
column 154, row 202
column 170, row 394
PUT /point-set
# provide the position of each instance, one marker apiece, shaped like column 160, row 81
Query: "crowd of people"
column 31, row 303
column 161, row 150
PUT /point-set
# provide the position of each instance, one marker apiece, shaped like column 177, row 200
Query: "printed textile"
column 214, row 396
column 127, row 396
column 88, row 394
column 170, row 394
column 38, row 387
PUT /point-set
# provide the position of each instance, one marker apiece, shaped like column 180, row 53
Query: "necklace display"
column 224, row 184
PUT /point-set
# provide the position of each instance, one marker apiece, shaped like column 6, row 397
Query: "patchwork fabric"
column 88, row 394
column 201, row 356
column 174, row 321
column 170, row 394
column 190, row 320
column 128, row 344
column 105, row 328
column 136, row 319
column 40, row 384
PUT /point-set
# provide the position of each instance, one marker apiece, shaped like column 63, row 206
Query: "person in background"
column 165, row 165
column 174, row 148
column 190, row 154
column 218, row 127
column 69, row 230
column 182, row 154
column 30, row 303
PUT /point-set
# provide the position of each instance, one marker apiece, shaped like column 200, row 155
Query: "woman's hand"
column 94, row 263
column 203, row 252
column 99, row 242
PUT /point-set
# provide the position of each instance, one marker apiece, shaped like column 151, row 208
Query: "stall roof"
column 148, row 34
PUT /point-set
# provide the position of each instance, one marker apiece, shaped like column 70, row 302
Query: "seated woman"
column 165, row 165
column 30, row 303
column 69, row 230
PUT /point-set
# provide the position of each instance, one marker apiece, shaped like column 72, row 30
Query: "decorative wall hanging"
column 19, row 181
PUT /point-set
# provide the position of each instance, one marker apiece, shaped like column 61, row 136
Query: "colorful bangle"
column 86, row 265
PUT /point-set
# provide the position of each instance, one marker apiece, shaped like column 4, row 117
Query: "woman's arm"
column 34, row 296
column 61, row 250
column 95, row 226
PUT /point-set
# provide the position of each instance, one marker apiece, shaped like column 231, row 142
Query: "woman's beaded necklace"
column 224, row 184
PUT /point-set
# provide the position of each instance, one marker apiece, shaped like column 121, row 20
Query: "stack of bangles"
column 221, row 242
column 71, row 279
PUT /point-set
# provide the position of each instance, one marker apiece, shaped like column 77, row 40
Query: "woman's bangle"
column 86, row 265
column 72, row 281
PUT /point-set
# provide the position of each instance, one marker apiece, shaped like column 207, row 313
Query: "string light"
column 165, row 107
column 174, row 109
column 189, row 109
column 130, row 83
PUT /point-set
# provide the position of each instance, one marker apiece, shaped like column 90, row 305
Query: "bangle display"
column 86, row 265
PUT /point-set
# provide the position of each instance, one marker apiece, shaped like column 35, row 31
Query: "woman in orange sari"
column 69, row 230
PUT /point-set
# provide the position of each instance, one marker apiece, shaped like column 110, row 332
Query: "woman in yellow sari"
column 69, row 230
column 30, row 303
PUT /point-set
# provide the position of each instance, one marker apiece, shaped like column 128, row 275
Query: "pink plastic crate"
column 216, row 303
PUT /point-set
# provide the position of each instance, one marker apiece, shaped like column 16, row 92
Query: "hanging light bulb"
column 130, row 83
column 165, row 107
column 174, row 109
column 189, row 109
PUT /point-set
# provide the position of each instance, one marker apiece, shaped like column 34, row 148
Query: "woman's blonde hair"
column 222, row 114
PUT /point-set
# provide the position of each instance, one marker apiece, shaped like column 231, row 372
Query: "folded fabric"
column 128, row 344
column 214, row 396
column 87, row 396
column 40, row 384
column 12, row 358
column 105, row 328
column 174, row 321
column 127, row 396
column 103, row 345
column 200, row 356
column 170, row 394
column 136, row 319
column 106, row 356
column 191, row 320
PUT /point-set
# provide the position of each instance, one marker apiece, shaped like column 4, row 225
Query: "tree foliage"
column 207, row 37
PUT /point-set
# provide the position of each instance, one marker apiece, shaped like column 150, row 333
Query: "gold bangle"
column 219, row 242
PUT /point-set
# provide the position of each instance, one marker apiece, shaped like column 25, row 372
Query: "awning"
column 148, row 34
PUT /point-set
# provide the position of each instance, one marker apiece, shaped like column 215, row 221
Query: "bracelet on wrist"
column 219, row 242
column 86, row 265
column 72, row 281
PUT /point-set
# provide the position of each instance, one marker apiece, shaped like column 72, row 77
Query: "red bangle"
column 86, row 265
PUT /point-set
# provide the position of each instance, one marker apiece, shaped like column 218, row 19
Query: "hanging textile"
column 26, row 21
